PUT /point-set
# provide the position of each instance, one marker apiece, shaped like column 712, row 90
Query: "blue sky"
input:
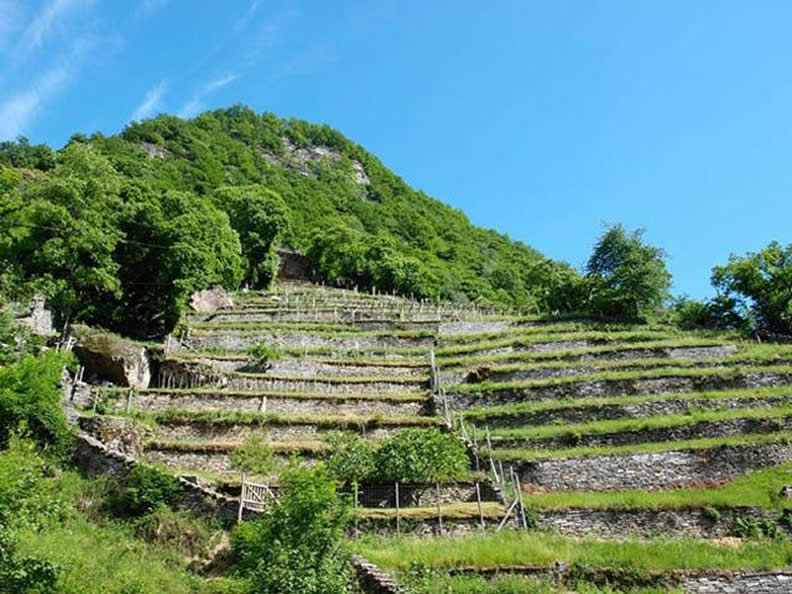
column 543, row 120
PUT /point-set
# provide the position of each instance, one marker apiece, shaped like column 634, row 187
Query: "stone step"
column 362, row 343
column 312, row 367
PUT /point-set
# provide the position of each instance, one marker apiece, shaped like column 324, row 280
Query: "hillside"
column 280, row 182
column 636, row 450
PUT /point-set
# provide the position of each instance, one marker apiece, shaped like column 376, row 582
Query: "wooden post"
column 439, row 512
column 129, row 401
column 241, row 498
column 516, row 480
column 478, row 500
column 355, row 505
column 398, row 519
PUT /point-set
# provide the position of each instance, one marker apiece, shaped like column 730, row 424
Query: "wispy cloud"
column 149, row 7
column 17, row 112
column 151, row 101
column 248, row 16
column 195, row 104
column 48, row 19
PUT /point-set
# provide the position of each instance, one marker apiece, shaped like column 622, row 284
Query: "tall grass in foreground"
column 534, row 548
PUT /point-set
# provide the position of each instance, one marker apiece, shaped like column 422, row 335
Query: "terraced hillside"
column 616, row 432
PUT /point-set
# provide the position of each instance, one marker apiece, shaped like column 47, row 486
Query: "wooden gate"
column 254, row 497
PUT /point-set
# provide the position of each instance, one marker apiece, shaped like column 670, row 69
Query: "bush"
column 296, row 546
column 421, row 455
column 255, row 456
column 30, row 398
column 351, row 458
column 145, row 489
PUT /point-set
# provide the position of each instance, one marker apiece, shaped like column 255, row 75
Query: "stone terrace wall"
column 694, row 522
column 657, row 470
column 647, row 408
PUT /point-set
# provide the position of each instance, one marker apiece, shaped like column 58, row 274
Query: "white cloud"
column 151, row 101
column 50, row 17
column 19, row 110
column 194, row 105
column 249, row 14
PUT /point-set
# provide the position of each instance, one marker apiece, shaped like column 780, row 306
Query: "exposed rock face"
column 112, row 358
column 210, row 300
column 293, row 265
column 38, row 318
column 154, row 151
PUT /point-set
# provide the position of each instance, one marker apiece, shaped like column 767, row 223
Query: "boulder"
column 38, row 318
column 110, row 357
column 210, row 300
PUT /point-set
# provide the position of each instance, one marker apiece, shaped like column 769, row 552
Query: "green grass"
column 562, row 328
column 517, row 454
column 759, row 488
column 252, row 330
column 230, row 418
column 221, row 447
column 532, row 548
column 724, row 373
column 335, row 379
column 513, row 411
column 528, row 340
column 576, row 353
column 450, row 511
column 384, row 397
column 646, row 363
column 662, row 421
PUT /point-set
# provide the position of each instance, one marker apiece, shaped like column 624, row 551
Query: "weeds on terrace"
column 722, row 373
column 232, row 418
column 658, row 422
column 579, row 353
column 770, row 359
column 759, row 488
column 508, row 412
column 596, row 338
column 534, row 548
column 783, row 437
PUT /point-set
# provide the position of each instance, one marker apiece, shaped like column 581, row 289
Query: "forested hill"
column 118, row 230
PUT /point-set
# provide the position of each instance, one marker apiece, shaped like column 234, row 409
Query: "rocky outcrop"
column 38, row 318
column 111, row 358
column 210, row 300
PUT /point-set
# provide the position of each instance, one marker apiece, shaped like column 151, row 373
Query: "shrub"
column 421, row 455
column 255, row 456
column 263, row 352
column 29, row 397
column 351, row 458
column 296, row 546
column 145, row 489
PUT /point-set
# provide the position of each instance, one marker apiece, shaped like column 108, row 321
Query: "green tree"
column 760, row 285
column 420, row 456
column 259, row 216
column 296, row 547
column 626, row 277
column 175, row 244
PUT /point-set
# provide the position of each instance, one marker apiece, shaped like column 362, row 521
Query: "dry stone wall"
column 657, row 470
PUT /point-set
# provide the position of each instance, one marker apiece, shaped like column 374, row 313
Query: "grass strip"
column 333, row 379
column 231, row 418
column 481, row 416
column 759, row 488
column 450, row 511
column 577, row 353
column 220, row 447
column 661, row 421
column 532, row 548
column 666, row 372
column 522, row 454
column 331, row 333
column 294, row 395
